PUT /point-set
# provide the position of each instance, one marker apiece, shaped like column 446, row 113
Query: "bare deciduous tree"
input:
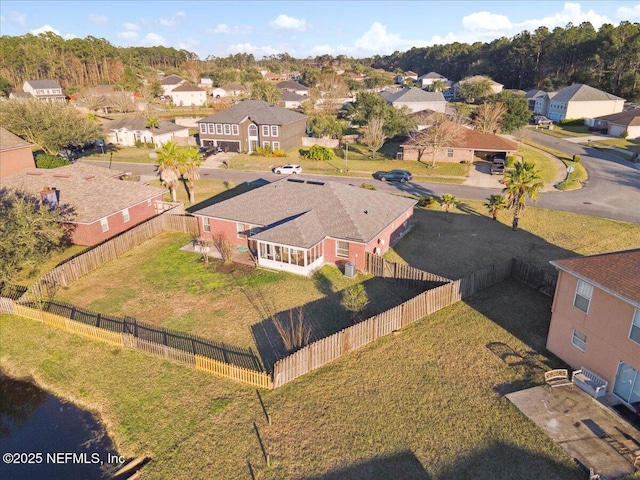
column 224, row 246
column 374, row 135
column 488, row 117
column 293, row 331
column 441, row 132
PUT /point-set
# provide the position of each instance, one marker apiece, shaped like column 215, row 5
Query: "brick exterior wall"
column 459, row 154
column 92, row 234
column 16, row 160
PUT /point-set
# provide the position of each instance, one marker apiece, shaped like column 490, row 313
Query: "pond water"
column 43, row 437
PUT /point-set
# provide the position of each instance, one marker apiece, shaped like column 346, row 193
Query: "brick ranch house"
column 15, row 154
column 595, row 320
column 250, row 124
column 470, row 145
column 299, row 225
column 103, row 205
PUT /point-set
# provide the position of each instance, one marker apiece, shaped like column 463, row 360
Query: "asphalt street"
column 612, row 190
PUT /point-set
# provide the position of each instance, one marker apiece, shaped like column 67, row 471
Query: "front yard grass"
column 565, row 131
column 425, row 404
column 576, row 178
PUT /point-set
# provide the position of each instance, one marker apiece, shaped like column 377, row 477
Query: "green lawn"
column 576, row 178
column 425, row 404
column 565, row 131
column 117, row 154
column 545, row 165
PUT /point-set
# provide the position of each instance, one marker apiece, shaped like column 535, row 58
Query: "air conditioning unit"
column 350, row 269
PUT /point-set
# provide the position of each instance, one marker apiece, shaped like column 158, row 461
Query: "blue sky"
column 302, row 28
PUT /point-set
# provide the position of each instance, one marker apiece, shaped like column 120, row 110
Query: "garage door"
column 229, row 146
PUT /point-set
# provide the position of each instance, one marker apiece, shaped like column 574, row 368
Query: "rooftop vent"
column 295, row 180
column 314, row 182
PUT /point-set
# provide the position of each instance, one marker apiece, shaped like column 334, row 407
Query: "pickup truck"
column 497, row 167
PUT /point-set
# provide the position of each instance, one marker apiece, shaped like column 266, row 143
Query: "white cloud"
column 630, row 14
column 189, row 44
column 254, row 49
column 377, row 40
column 571, row 13
column 486, row 21
column 230, row 29
column 99, row 19
column 153, row 39
column 43, row 29
column 325, row 49
column 173, row 21
column 129, row 35
column 284, row 22
column 14, row 17
column 132, row 27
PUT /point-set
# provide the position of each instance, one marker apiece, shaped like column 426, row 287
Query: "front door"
column 252, row 134
column 627, row 385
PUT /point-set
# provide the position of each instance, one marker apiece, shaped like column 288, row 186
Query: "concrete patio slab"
column 587, row 430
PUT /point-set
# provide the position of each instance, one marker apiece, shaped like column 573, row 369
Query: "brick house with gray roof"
column 298, row 225
column 102, row 204
column 595, row 320
column 250, row 124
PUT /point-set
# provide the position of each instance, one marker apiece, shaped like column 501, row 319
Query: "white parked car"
column 290, row 168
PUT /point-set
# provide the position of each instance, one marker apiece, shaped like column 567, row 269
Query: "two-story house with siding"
column 49, row 90
column 250, row 124
column 595, row 322
column 577, row 101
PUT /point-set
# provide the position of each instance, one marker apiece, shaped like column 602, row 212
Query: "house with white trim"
column 188, row 95
column 129, row 130
column 577, row 101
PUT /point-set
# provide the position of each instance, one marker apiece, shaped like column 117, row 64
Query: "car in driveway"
column 541, row 120
column 290, row 168
column 498, row 166
column 393, row 176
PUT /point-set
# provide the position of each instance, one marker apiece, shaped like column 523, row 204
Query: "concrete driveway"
column 480, row 176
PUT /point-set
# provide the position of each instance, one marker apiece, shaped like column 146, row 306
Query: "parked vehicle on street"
column 393, row 176
column 288, row 169
column 541, row 120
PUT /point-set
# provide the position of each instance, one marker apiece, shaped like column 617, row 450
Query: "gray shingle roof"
column 171, row 80
column 187, row 87
column 43, row 84
column 91, row 191
column 629, row 118
column 414, row 94
column 434, row 75
column 10, row 141
column 291, row 85
column 140, row 124
column 300, row 212
column 263, row 113
column 289, row 96
column 582, row 93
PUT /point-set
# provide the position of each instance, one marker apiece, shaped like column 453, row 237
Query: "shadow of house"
column 501, row 461
column 399, row 466
column 322, row 317
column 227, row 194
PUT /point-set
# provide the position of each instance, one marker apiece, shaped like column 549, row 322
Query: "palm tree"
column 494, row 204
column 438, row 85
column 152, row 123
column 190, row 161
column 448, row 200
column 521, row 182
column 168, row 161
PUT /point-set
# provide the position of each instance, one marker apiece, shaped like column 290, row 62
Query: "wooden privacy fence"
column 199, row 353
column 85, row 262
column 405, row 274
column 535, row 277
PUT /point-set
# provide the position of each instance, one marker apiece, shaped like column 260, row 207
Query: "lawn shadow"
column 320, row 318
column 399, row 466
column 502, row 461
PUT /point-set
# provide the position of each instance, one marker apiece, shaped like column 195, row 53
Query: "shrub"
column 510, row 161
column 150, row 145
column 318, row 152
column 572, row 121
column 139, row 143
column 46, row 160
column 368, row 186
column 624, row 134
column 577, row 158
column 278, row 152
column 427, row 201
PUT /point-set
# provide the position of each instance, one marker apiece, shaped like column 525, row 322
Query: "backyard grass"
column 425, row 404
column 28, row 276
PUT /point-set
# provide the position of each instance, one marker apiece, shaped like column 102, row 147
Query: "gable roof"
column 433, row 75
column 42, row 84
column 413, row 94
column 301, row 212
column 617, row 272
column 140, row 124
column 232, row 86
column 288, row 96
column 10, row 141
column 291, row 85
column 629, row 118
column 93, row 192
column 475, row 140
column 171, row 80
column 259, row 111
column 582, row 93
column 187, row 87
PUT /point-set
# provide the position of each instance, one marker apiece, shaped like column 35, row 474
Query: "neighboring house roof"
column 92, row 191
column 617, row 272
column 291, row 85
column 259, row 111
column 475, row 140
column 629, row 118
column 232, row 86
column 582, row 93
column 432, row 75
column 44, row 84
column 301, row 212
column 171, row 80
column 24, row 95
column 10, row 141
column 413, row 94
column 140, row 124
column 533, row 93
column 187, row 87
column 288, row 96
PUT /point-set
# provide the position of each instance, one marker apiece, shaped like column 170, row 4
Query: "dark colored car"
column 393, row 176
column 206, row 151
column 498, row 165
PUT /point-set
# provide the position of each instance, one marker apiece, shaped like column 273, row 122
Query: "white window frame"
column 241, row 231
column 340, row 249
column 265, row 130
column 274, row 130
column 203, row 128
column 579, row 340
column 148, row 202
column 449, row 152
column 218, row 129
column 104, row 224
column 584, row 291
column 126, row 217
column 211, row 128
column 275, row 145
column 635, row 327
column 206, row 224
column 235, row 130
column 266, row 143
column 227, row 129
